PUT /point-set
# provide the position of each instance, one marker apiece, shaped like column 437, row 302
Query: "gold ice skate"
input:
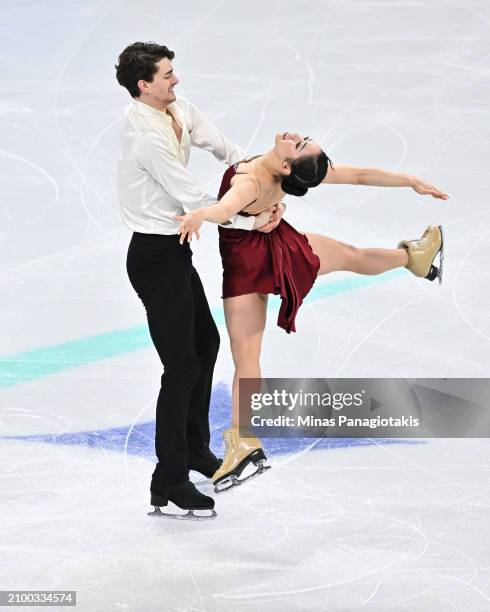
column 240, row 452
column 423, row 251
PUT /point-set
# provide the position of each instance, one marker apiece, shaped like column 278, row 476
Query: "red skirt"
column 281, row 262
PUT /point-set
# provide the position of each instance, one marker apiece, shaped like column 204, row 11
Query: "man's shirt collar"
column 146, row 109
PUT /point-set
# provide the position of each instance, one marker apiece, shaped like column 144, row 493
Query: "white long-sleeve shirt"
column 152, row 179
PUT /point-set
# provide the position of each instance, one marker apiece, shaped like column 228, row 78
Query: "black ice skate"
column 186, row 497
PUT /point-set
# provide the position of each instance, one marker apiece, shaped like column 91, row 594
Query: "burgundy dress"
column 280, row 262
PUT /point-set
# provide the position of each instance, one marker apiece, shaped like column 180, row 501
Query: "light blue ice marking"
column 37, row 363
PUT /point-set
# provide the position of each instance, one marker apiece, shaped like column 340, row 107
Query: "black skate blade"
column 232, row 482
column 188, row 516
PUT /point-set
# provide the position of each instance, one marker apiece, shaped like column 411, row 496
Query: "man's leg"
column 160, row 270
column 207, row 342
column 171, row 328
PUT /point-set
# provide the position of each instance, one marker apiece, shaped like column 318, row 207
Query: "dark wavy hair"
column 138, row 61
column 306, row 172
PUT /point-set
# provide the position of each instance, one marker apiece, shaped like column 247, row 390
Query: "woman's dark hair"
column 306, row 172
column 138, row 61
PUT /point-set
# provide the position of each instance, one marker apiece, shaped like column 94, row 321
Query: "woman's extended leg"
column 245, row 317
column 335, row 256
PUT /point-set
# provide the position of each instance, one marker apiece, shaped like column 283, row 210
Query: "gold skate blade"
column 232, row 481
column 188, row 516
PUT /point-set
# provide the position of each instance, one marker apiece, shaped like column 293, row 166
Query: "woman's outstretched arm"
column 350, row 175
column 384, row 178
column 237, row 198
column 342, row 175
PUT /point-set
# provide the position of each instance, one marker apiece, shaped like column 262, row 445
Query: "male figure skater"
column 153, row 187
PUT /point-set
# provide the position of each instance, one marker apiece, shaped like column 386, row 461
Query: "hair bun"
column 306, row 172
column 290, row 185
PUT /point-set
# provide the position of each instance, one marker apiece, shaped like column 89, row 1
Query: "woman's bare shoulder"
column 247, row 178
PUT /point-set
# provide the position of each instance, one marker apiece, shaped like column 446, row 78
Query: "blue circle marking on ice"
column 139, row 438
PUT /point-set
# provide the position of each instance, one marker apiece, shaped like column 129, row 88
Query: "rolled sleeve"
column 239, row 222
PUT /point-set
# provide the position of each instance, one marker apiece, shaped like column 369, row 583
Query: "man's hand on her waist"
column 263, row 219
column 275, row 218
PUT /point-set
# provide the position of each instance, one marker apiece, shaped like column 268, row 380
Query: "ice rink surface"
column 333, row 526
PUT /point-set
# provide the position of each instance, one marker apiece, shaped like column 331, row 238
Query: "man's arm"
column 274, row 219
column 157, row 157
column 350, row 175
column 205, row 135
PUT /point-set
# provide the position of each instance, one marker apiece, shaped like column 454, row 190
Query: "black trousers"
column 187, row 340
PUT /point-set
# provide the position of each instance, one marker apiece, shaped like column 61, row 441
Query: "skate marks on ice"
column 402, row 528
column 394, row 528
column 404, row 532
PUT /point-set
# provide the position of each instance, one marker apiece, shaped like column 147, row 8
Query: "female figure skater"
column 287, row 262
